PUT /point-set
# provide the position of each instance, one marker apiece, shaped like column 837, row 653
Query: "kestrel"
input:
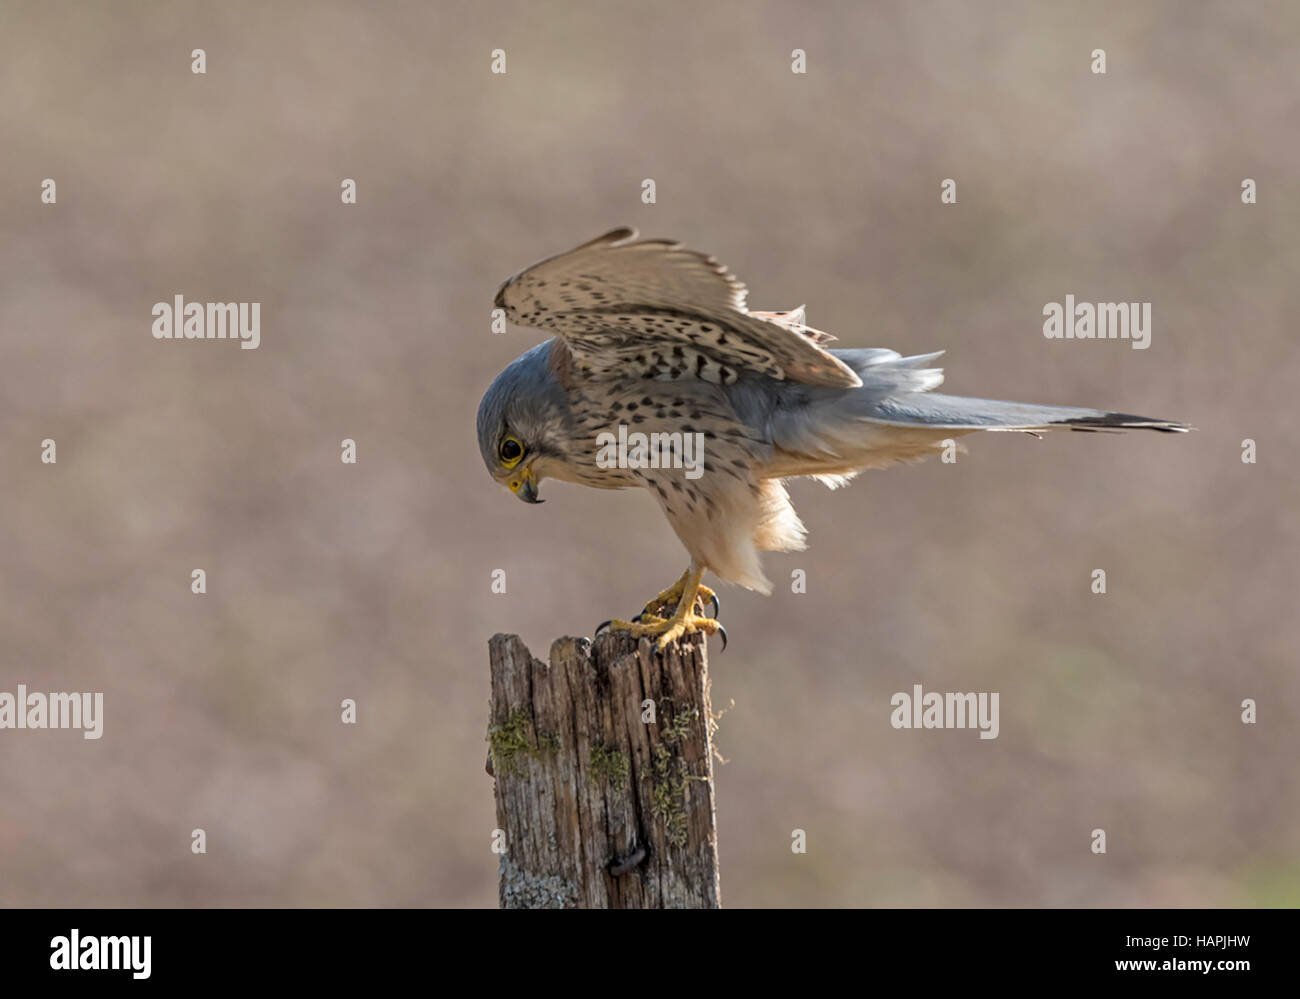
column 651, row 338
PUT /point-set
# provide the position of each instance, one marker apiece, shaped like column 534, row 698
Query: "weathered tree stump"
column 603, row 763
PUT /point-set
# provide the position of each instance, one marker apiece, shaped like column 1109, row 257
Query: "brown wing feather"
column 651, row 307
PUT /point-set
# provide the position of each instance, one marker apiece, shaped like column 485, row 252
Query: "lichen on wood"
column 600, row 809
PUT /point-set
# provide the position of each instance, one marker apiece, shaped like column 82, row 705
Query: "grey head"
column 523, row 424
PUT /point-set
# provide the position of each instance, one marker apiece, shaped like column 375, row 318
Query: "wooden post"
column 604, row 774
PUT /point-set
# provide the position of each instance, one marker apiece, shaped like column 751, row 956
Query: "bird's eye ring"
column 511, row 451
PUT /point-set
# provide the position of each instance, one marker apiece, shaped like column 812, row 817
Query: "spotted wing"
column 651, row 308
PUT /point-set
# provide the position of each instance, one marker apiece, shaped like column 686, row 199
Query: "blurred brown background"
column 372, row 581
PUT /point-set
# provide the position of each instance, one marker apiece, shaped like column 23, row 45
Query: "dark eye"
column 511, row 450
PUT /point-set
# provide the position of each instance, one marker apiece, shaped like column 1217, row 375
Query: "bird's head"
column 521, row 425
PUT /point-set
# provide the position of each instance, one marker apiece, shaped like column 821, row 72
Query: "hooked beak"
column 524, row 485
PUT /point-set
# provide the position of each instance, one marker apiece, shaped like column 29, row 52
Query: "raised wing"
column 652, row 308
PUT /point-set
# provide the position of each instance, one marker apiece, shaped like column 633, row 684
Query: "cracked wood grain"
column 599, row 808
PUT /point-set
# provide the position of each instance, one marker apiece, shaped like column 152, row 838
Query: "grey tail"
column 1123, row 421
column 897, row 391
column 957, row 412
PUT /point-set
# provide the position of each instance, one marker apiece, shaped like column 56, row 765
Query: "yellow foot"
column 670, row 629
column 652, row 622
column 666, row 602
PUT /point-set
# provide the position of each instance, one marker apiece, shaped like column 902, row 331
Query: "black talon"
column 717, row 607
column 723, row 632
column 602, row 626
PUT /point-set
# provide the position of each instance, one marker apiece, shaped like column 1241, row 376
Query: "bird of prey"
column 653, row 338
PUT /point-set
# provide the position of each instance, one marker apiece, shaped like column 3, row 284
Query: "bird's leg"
column 684, row 620
column 666, row 602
